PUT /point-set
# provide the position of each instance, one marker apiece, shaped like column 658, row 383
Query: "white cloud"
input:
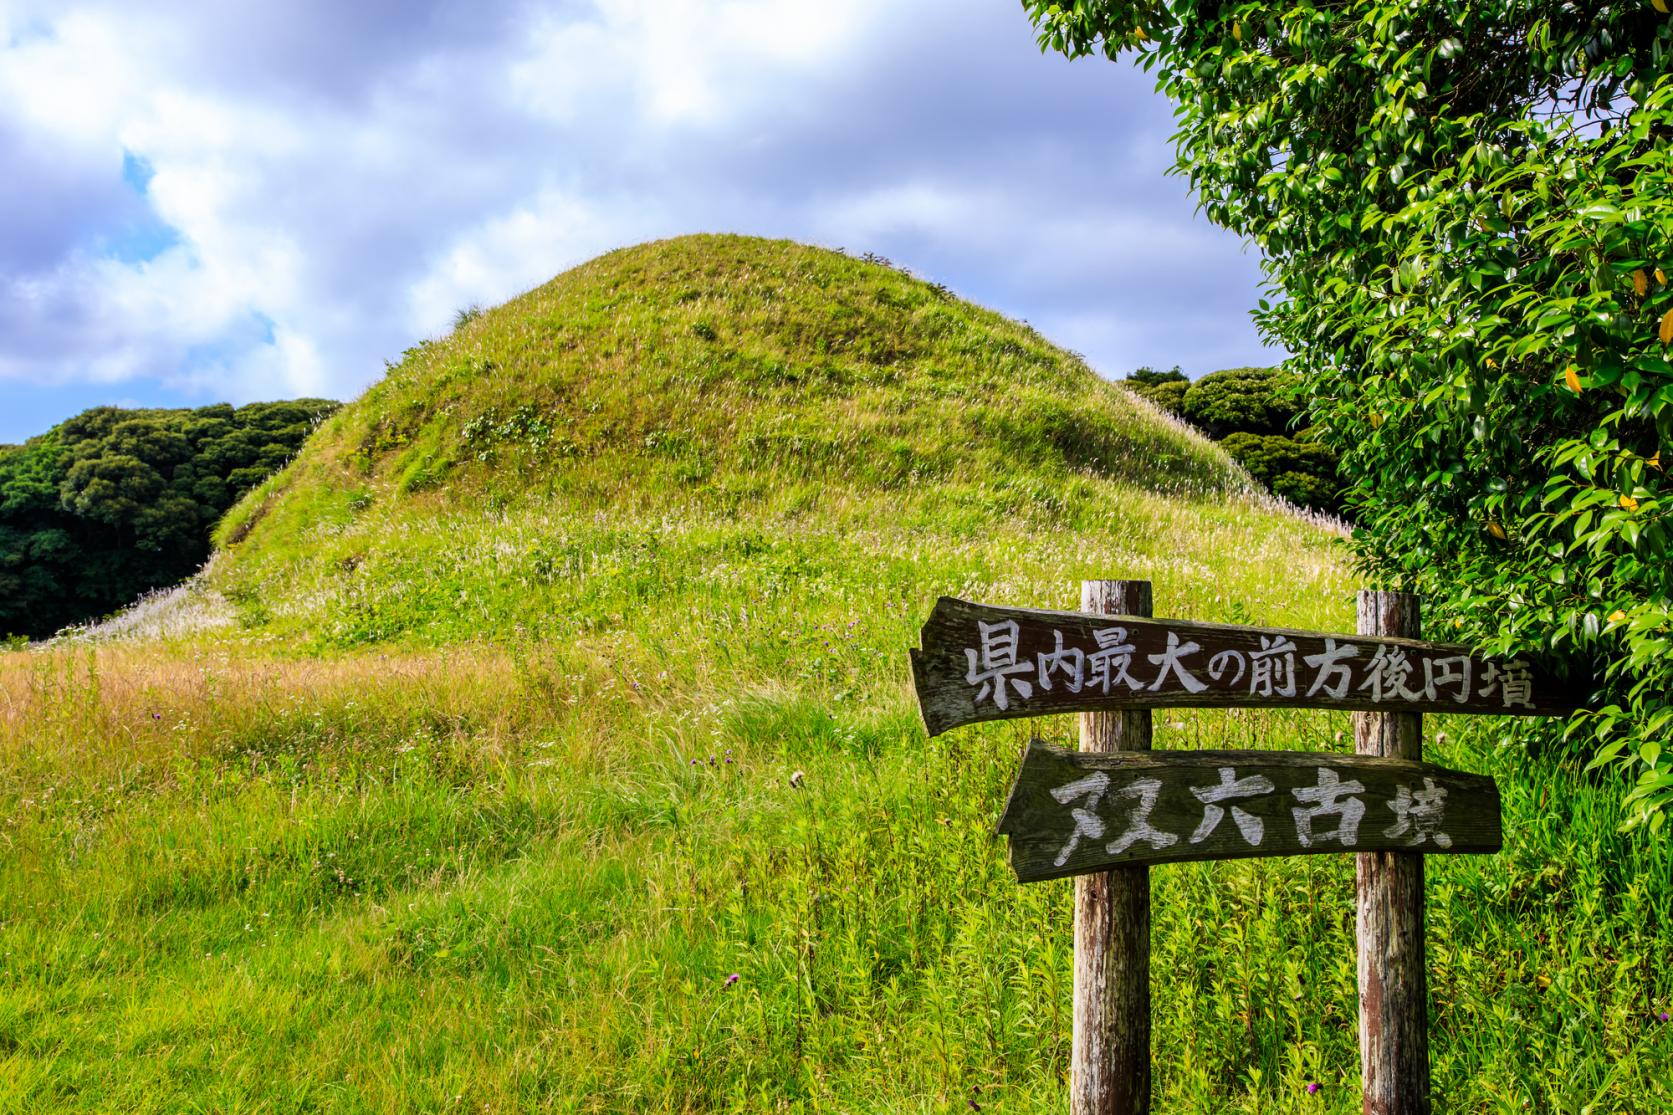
column 341, row 179
column 510, row 253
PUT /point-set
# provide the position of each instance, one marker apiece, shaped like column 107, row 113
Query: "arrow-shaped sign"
column 1071, row 812
column 985, row 663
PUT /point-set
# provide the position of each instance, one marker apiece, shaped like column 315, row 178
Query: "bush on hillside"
column 112, row 503
column 1151, row 377
column 1251, row 400
column 1297, row 469
column 1164, row 389
column 1249, row 411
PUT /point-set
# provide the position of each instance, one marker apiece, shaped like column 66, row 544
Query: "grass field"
column 485, row 796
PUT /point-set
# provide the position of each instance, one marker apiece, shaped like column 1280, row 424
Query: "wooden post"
column 1393, row 981
column 1110, row 1058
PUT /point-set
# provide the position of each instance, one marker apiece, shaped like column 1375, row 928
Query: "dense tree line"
column 1253, row 414
column 114, row 502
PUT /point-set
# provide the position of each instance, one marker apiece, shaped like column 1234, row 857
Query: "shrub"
column 1250, row 400
column 1301, row 471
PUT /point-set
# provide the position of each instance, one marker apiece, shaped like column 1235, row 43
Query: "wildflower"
column 733, row 978
column 1312, row 1087
column 1662, row 1017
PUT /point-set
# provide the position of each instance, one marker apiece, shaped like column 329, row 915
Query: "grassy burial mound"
column 562, row 755
column 701, row 409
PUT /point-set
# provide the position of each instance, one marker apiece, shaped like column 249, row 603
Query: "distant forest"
column 1253, row 414
column 112, row 503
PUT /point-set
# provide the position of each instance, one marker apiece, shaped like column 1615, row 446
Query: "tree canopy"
column 113, row 502
column 1465, row 214
column 1252, row 413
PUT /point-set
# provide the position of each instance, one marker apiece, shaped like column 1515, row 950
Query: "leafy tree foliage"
column 1151, row 377
column 114, row 502
column 1252, row 400
column 1303, row 472
column 1465, row 211
column 1165, row 389
column 1251, row 412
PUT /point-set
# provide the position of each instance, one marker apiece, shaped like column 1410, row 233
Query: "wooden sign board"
column 1071, row 812
column 985, row 663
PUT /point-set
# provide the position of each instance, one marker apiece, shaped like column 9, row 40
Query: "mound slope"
column 738, row 381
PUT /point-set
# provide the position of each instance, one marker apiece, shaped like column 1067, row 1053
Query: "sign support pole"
column 1393, row 977
column 1110, row 1058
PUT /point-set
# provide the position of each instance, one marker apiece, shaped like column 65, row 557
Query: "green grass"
column 490, row 791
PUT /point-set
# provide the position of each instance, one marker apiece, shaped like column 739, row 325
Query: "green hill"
column 562, row 755
column 704, row 406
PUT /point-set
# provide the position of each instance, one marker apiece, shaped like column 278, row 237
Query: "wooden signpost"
column 1074, row 811
column 1106, row 812
column 985, row 663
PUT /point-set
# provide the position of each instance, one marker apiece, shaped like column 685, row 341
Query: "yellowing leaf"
column 1237, row 31
column 1629, row 503
column 1659, row 5
column 1572, row 378
column 1457, row 623
column 1492, row 363
column 1655, row 461
column 1376, row 420
column 1617, row 616
column 1496, row 530
column 1640, row 283
column 1661, row 277
column 1666, row 330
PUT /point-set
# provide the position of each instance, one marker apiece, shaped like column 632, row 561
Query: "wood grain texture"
column 1110, row 1050
column 1067, row 809
column 1393, row 973
column 975, row 666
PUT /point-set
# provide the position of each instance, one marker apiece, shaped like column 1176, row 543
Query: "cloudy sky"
column 241, row 200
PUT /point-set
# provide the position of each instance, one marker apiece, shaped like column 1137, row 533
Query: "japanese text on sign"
column 1003, row 673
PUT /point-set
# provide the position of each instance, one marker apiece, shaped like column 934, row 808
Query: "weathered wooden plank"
column 1075, row 811
column 1388, row 892
column 1109, row 1063
column 980, row 662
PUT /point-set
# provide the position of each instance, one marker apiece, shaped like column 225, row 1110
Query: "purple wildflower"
column 1662, row 1017
column 1312, row 1087
column 733, row 978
